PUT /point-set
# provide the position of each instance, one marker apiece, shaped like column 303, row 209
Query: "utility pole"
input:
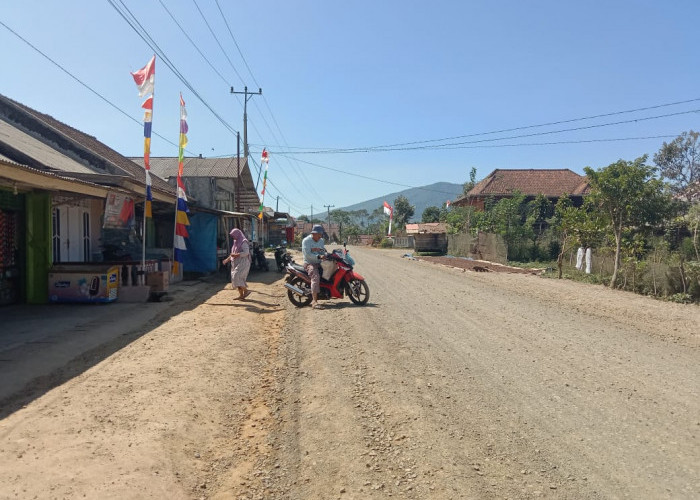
column 238, row 172
column 329, row 218
column 277, row 207
column 312, row 214
column 247, row 95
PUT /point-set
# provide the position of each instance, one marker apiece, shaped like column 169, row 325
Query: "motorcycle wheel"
column 358, row 291
column 296, row 299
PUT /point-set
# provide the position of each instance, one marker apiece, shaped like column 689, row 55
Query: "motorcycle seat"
column 298, row 267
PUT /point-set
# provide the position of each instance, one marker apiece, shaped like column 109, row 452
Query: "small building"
column 68, row 199
column 429, row 236
column 331, row 231
column 224, row 184
column 502, row 183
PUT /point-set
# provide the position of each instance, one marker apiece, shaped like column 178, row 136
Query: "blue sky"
column 431, row 80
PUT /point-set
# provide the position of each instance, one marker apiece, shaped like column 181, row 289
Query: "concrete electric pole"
column 329, row 218
column 247, row 95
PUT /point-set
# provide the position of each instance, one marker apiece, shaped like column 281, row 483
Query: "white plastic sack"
column 327, row 268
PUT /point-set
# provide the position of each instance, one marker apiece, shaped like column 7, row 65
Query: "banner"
column 119, row 211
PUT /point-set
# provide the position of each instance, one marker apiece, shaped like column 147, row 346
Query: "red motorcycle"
column 342, row 279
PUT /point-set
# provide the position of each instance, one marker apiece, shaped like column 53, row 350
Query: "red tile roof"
column 551, row 183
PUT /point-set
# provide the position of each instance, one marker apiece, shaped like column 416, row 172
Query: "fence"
column 484, row 246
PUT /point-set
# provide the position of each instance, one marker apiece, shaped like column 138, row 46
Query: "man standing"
column 313, row 248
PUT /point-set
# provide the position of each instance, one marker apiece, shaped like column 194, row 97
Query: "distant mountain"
column 421, row 198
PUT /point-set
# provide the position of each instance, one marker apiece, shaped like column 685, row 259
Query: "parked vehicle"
column 341, row 279
column 258, row 259
column 282, row 257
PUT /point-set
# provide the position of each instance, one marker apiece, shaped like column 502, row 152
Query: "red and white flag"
column 145, row 77
column 388, row 209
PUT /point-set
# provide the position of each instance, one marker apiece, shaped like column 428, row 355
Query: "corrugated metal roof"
column 166, row 167
column 95, row 153
column 38, row 151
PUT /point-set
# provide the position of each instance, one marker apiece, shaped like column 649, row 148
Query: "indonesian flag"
column 388, row 209
column 447, row 204
column 266, row 160
column 145, row 77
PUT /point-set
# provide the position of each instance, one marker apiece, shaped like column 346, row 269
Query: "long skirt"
column 239, row 271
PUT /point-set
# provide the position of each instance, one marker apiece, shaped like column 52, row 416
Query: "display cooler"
column 83, row 283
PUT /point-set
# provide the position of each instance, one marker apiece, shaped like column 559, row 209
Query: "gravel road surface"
column 447, row 384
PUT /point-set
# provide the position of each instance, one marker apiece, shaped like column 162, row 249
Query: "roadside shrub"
column 681, row 298
column 386, row 243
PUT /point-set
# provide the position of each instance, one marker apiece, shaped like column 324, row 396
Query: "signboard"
column 119, row 211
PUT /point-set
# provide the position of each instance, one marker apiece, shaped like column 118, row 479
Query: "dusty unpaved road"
column 448, row 384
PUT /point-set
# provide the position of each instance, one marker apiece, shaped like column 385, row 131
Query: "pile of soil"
column 478, row 265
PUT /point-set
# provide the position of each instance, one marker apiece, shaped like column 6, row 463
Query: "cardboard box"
column 83, row 283
column 158, row 281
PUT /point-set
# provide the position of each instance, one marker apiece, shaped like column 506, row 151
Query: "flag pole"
column 181, row 219
column 145, row 81
column 173, row 261
column 147, row 168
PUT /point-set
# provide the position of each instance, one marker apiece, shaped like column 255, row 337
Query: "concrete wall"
column 490, row 247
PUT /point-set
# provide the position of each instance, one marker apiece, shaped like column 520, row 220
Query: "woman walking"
column 240, row 263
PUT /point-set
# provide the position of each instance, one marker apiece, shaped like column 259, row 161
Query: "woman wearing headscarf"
column 240, row 263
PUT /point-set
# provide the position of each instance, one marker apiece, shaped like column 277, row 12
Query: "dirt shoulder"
column 179, row 412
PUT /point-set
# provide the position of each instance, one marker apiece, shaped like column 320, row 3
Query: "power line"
column 295, row 167
column 184, row 32
column 525, row 127
column 143, row 34
column 448, row 145
column 59, row 66
column 368, row 177
column 211, row 31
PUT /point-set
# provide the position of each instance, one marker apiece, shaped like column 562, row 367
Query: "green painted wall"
column 38, row 245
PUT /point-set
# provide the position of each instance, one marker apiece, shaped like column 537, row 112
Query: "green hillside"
column 420, row 197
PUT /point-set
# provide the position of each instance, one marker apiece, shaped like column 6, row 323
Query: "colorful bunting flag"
column 181, row 210
column 144, row 79
column 266, row 160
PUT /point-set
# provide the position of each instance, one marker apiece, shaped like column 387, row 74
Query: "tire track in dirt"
column 496, row 389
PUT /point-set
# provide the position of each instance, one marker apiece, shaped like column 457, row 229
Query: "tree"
column 694, row 223
column 403, row 211
column 458, row 219
column 343, row 218
column 431, row 214
column 631, row 197
column 538, row 210
column 679, row 162
column 467, row 186
column 362, row 215
column 575, row 227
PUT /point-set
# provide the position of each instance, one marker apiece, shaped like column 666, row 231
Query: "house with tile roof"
column 503, row 183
